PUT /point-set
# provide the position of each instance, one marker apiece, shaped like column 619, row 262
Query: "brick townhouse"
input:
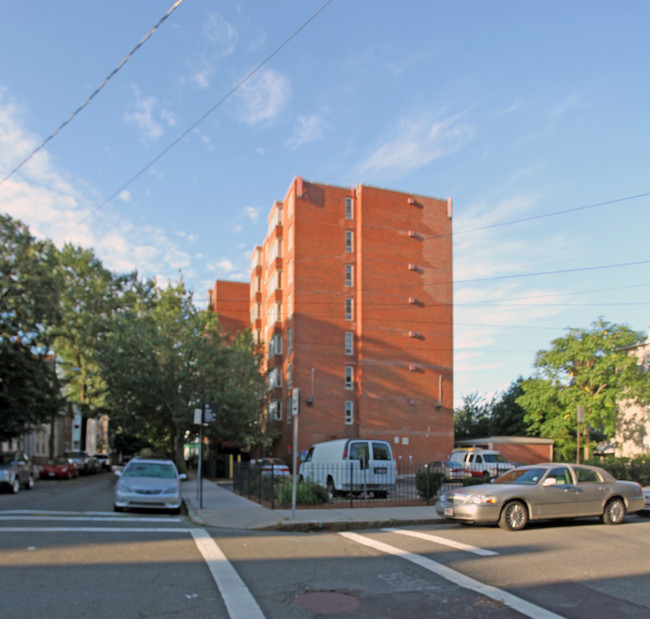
column 351, row 295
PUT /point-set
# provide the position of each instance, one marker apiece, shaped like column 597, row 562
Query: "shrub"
column 630, row 469
column 428, row 483
column 307, row 493
column 473, row 481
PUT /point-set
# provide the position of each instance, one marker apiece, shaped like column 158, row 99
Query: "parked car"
column 485, row 463
column 450, row 469
column 103, row 461
column 271, row 466
column 61, row 468
column 16, row 471
column 150, row 484
column 646, row 494
column 86, row 464
column 351, row 465
column 541, row 492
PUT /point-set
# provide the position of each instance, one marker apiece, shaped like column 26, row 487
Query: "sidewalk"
column 222, row 508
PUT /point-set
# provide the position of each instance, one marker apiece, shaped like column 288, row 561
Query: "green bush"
column 307, row 493
column 428, row 483
column 473, row 481
column 630, row 469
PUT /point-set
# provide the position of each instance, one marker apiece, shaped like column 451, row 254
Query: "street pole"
column 295, row 409
column 581, row 418
column 199, row 474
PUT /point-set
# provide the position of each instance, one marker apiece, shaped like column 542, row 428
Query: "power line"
column 94, row 94
column 220, row 102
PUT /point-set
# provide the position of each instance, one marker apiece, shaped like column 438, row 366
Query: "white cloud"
column 54, row 207
column 253, row 213
column 569, row 103
column 219, row 41
column 125, row 195
column 417, row 143
column 262, row 99
column 307, row 129
column 141, row 113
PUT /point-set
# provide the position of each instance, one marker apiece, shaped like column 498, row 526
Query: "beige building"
column 633, row 426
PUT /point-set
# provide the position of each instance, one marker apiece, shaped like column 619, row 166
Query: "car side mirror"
column 118, row 473
column 182, row 477
column 549, row 481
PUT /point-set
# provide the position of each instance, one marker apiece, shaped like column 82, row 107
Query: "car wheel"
column 614, row 512
column 514, row 516
column 15, row 487
column 117, row 508
column 331, row 488
column 486, row 476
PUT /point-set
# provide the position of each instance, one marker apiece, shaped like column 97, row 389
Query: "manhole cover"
column 327, row 602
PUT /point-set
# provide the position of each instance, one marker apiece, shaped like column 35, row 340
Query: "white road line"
column 481, row 552
column 514, row 602
column 236, row 596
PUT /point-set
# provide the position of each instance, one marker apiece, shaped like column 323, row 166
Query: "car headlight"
column 122, row 487
column 481, row 499
column 170, row 490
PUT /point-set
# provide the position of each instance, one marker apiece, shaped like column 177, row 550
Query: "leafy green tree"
column 474, row 418
column 91, row 296
column 588, row 367
column 508, row 417
column 29, row 296
column 164, row 358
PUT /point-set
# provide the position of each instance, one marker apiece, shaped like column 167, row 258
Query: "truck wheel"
column 331, row 488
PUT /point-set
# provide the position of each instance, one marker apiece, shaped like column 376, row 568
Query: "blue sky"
column 515, row 109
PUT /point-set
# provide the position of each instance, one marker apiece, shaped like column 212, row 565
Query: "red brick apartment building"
column 351, row 294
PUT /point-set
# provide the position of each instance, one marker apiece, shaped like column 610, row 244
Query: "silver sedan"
column 541, row 492
column 149, row 484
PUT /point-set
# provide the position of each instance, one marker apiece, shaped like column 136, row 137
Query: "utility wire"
column 94, row 94
column 220, row 102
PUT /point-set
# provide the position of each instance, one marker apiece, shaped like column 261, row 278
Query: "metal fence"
column 349, row 485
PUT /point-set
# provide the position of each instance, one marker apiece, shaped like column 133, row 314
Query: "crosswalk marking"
column 236, row 596
column 514, row 602
column 481, row 552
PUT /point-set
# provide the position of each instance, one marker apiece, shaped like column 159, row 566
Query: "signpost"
column 581, row 418
column 207, row 414
column 295, row 410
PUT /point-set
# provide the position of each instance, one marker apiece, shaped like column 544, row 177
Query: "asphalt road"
column 63, row 553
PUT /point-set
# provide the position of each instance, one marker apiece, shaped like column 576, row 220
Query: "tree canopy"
column 590, row 368
column 163, row 358
column 29, row 306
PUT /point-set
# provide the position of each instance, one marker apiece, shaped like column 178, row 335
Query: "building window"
column 349, row 308
column 275, row 378
column 349, row 208
column 289, row 376
column 289, row 410
column 349, row 412
column 275, row 410
column 275, row 345
column 289, row 339
column 349, row 377
column 349, row 343
column 349, row 241
column 349, row 275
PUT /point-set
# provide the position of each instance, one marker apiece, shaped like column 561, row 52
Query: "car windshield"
column 527, row 477
column 150, row 469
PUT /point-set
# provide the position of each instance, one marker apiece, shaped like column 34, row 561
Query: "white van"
column 351, row 465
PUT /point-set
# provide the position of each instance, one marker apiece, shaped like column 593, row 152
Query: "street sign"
column 295, row 402
column 210, row 413
column 197, row 416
